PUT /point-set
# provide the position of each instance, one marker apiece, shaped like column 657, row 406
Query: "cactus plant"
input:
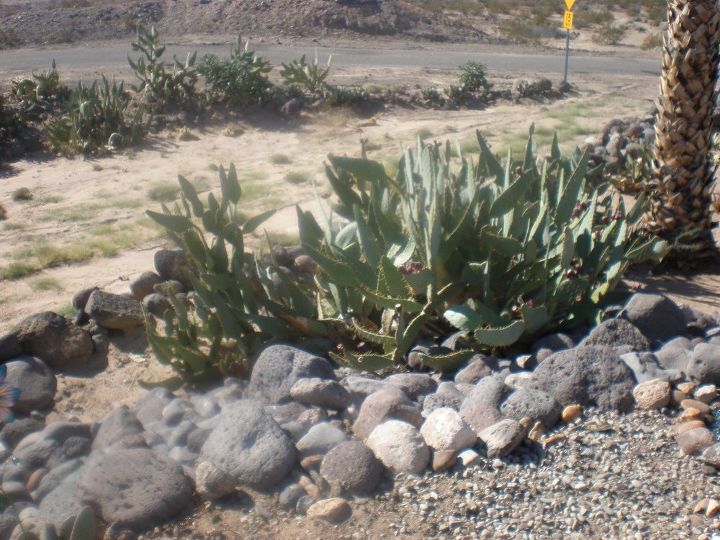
column 97, row 119
column 236, row 302
column 499, row 251
column 308, row 77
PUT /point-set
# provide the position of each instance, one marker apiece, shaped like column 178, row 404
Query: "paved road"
column 114, row 56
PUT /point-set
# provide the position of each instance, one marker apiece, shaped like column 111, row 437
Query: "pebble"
column 706, row 393
column 571, row 412
column 654, row 394
column 335, row 510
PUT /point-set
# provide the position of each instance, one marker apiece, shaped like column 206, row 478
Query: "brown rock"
column 335, row 510
column 654, row 394
column 304, row 263
column 686, row 387
column 571, row 412
column 311, row 462
column 687, row 426
column 695, row 404
column 700, row 506
column 55, row 340
column 678, row 397
column 706, row 393
column 712, row 508
column 691, row 414
column 695, row 440
column 35, row 479
column 310, row 488
column 443, row 460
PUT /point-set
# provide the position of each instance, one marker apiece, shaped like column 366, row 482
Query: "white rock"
column 706, row 393
column 445, row 430
column 399, row 446
column 502, row 437
column 654, row 394
column 469, row 457
column 211, row 482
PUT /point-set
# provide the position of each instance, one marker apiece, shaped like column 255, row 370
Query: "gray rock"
column 115, row 311
column 116, row 426
column 143, row 285
column 320, row 439
column 179, row 435
column 156, row 304
column 615, row 333
column 172, row 264
column 8, row 522
column 248, row 445
column 711, row 456
column 440, row 401
column 212, row 483
column 399, row 446
column 134, row 486
column 480, row 366
column 645, row 367
column 35, row 380
column 656, row 316
column 323, row 393
column 361, row 387
column 390, row 402
column 587, row 375
column 704, row 364
column 62, row 502
column 80, row 299
column 446, row 431
column 352, row 467
column 538, row 405
column 9, row 347
column 150, row 406
column 57, row 443
column 54, row 339
column 481, row 407
column 290, row 495
column 13, row 432
column 279, row 367
column 554, row 342
column 177, row 410
column 503, row 437
column 413, row 384
column 55, row 477
column 675, row 354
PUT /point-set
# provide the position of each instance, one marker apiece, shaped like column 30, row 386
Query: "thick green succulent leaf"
column 362, row 169
column 500, row 337
column 463, row 318
column 254, row 222
column 536, row 318
column 446, row 363
column 571, row 194
column 387, row 342
column 176, row 224
column 363, row 362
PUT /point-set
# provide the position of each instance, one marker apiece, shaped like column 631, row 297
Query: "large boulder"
column 617, row 333
column 115, row 311
column 390, row 402
column 352, row 467
column 249, row 446
column 134, row 487
column 588, row 375
column 55, row 339
column 645, row 367
column 143, row 285
column 675, row 354
column 36, row 382
column 656, row 316
column 279, row 367
column 62, row 502
column 399, row 446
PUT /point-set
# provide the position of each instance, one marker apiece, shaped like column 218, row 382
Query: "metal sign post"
column 568, row 20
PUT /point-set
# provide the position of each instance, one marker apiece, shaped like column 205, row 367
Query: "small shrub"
column 46, row 284
column 610, row 34
column 17, row 270
column 473, row 77
column 652, row 41
column 164, row 90
column 297, row 177
column 22, row 194
column 97, row 120
column 164, row 192
column 519, row 30
column 40, row 87
column 239, row 81
column 280, row 159
column 346, row 96
column 310, row 78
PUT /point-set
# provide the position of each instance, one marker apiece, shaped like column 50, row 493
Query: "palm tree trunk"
column 683, row 174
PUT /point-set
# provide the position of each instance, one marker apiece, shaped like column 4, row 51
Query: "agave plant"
column 309, row 77
column 499, row 251
column 236, row 302
column 165, row 90
column 40, row 87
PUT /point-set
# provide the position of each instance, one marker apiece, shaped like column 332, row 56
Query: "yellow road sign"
column 568, row 20
column 569, row 4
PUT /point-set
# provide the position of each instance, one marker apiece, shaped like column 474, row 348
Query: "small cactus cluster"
column 501, row 252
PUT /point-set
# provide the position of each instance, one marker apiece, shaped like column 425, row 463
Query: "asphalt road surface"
column 90, row 57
